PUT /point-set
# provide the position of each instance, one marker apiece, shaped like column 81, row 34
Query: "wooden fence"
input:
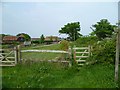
column 13, row 56
column 8, row 57
column 81, row 54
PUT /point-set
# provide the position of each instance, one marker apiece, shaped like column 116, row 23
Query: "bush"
column 86, row 40
column 104, row 51
column 35, row 42
column 64, row 45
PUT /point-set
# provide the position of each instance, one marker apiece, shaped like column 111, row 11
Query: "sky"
column 37, row 18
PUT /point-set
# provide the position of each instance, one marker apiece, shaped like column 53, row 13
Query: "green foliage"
column 104, row 51
column 86, row 40
column 42, row 38
column 72, row 29
column 26, row 36
column 1, row 36
column 35, row 42
column 64, row 45
column 103, row 29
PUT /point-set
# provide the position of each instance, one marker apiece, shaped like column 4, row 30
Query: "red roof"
column 10, row 38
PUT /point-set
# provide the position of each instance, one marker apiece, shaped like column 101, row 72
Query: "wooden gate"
column 8, row 57
column 81, row 54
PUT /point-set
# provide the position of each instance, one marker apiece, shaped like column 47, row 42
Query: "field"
column 57, row 75
column 43, row 56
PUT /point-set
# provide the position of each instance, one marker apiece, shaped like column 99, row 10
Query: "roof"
column 53, row 38
column 35, row 39
column 22, row 36
column 10, row 38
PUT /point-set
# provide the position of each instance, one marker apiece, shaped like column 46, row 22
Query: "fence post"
column 70, row 53
column 74, row 53
column 19, row 53
column 117, row 56
column 89, row 50
column 16, row 55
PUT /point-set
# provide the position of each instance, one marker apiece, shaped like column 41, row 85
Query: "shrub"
column 86, row 40
column 64, row 45
column 35, row 42
column 104, row 51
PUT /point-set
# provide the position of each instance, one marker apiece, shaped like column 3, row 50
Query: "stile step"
column 81, row 60
column 82, row 52
column 82, row 48
column 82, row 56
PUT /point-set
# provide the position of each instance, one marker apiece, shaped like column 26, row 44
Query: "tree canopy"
column 26, row 36
column 103, row 29
column 72, row 30
column 42, row 38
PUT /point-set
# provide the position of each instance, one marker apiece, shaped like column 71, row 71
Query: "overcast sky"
column 36, row 18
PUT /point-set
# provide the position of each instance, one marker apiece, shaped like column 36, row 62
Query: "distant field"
column 44, row 47
column 44, row 55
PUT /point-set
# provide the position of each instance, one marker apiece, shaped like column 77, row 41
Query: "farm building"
column 51, row 39
column 12, row 39
column 35, row 39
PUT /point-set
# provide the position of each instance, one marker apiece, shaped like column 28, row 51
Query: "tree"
column 42, row 39
column 103, row 29
column 1, row 36
column 26, row 36
column 72, row 29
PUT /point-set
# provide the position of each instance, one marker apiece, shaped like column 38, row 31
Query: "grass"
column 42, row 47
column 40, row 56
column 43, row 56
column 54, row 75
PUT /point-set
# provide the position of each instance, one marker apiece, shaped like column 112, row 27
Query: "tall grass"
column 54, row 75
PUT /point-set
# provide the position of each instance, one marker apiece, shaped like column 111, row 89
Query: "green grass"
column 53, row 75
column 40, row 56
column 42, row 47
column 43, row 56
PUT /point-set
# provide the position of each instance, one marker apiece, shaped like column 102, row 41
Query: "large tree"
column 26, row 36
column 72, row 30
column 103, row 29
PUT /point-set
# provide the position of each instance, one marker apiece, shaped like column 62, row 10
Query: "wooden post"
column 89, row 48
column 74, row 54
column 69, row 52
column 19, row 53
column 117, row 57
column 16, row 55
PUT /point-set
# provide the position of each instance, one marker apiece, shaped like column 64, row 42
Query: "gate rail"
column 8, row 57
